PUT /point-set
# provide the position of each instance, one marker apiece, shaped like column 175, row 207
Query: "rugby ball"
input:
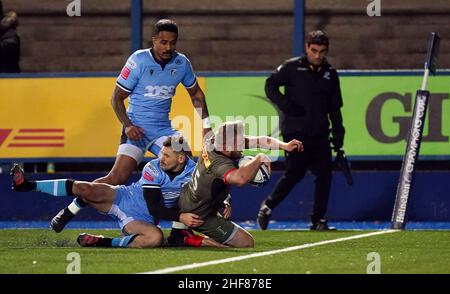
column 261, row 177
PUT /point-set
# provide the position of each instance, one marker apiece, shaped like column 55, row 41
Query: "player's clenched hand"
column 134, row 132
column 191, row 219
column 293, row 145
column 264, row 160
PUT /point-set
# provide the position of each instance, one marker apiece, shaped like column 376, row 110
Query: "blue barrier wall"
column 371, row 198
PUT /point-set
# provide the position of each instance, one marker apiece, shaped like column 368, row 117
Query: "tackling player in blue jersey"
column 137, row 207
column 149, row 78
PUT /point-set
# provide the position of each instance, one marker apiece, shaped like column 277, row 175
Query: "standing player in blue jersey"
column 137, row 207
column 149, row 78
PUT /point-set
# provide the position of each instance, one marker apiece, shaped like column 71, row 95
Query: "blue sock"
column 62, row 187
column 122, row 242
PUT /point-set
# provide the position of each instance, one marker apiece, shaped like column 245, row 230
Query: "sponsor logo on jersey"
column 205, row 157
column 173, row 71
column 153, row 170
column 125, row 72
column 221, row 230
column 326, row 75
column 164, row 92
column 131, row 64
column 148, row 176
column 150, row 172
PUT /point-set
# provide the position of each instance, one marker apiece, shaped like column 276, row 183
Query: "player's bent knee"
column 244, row 242
column 115, row 178
column 156, row 239
column 150, row 241
column 242, row 239
column 82, row 189
column 248, row 242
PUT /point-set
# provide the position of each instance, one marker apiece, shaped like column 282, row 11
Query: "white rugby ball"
column 261, row 177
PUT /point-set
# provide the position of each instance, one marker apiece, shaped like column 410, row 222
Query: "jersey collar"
column 188, row 167
column 163, row 63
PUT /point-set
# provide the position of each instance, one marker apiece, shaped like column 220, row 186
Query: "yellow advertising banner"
column 70, row 117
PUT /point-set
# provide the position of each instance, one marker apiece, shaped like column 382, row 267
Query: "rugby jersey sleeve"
column 151, row 174
column 222, row 167
column 189, row 78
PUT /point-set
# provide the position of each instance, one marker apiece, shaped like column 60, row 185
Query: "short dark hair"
column 318, row 38
column 178, row 143
column 165, row 25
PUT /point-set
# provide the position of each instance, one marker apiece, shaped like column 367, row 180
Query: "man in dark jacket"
column 311, row 100
column 9, row 44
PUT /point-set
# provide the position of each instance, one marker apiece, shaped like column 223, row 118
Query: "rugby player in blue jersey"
column 138, row 207
column 149, row 79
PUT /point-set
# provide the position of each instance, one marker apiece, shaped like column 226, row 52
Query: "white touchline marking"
column 265, row 253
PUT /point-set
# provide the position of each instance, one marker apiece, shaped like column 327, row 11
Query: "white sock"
column 178, row 225
column 73, row 207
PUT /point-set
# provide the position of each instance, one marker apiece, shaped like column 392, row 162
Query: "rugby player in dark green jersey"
column 216, row 170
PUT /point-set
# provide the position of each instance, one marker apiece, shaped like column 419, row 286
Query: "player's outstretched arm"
column 270, row 143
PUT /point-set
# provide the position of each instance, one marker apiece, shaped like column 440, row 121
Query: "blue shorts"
column 130, row 206
column 151, row 141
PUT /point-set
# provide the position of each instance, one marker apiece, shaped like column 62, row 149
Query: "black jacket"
column 9, row 50
column 312, row 98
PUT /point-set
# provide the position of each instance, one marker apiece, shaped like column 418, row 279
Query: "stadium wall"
column 229, row 35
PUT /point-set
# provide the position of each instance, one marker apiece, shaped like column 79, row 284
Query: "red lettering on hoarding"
column 38, row 137
column 41, row 130
column 4, row 133
column 36, row 145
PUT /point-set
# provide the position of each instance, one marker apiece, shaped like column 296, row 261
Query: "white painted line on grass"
column 265, row 253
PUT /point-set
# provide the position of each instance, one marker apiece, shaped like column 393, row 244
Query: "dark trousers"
column 315, row 157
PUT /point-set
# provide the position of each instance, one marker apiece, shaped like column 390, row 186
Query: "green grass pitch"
column 42, row 251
